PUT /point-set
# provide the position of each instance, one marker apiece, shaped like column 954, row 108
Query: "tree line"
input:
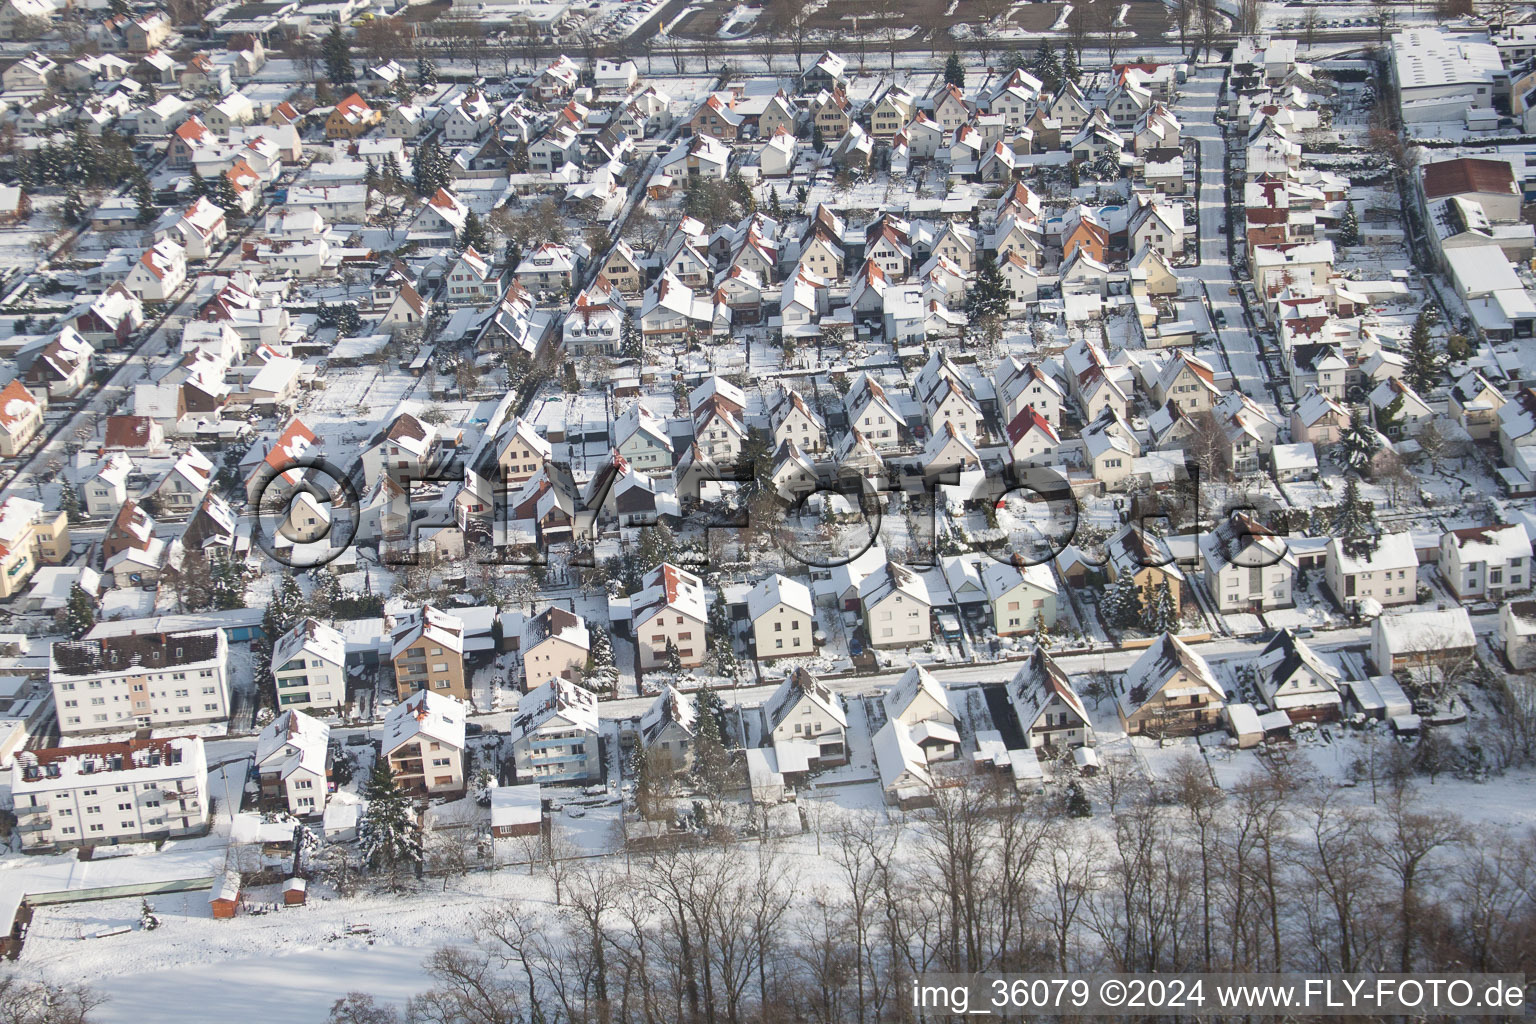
column 1278, row 873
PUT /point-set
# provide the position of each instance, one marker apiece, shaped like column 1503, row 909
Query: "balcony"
column 24, row 812
column 34, row 823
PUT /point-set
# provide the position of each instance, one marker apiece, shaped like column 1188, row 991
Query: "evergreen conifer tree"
column 631, row 341
column 1358, row 444
column 1355, row 523
column 473, row 235
column 388, row 834
column 1161, row 614
column 143, row 198
column 338, row 58
column 954, row 71
column 1423, row 370
column 79, row 613
column 1349, row 226
column 426, row 73
column 69, row 503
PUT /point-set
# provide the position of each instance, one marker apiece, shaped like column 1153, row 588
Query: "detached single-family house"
column 783, row 618
column 805, row 723
column 1050, row 712
column 1169, row 691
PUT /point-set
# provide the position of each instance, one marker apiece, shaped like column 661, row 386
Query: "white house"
column 554, row 734
column 1023, row 598
column 1295, row 680
column 1486, row 563
column 896, row 607
column 1247, row 567
column 805, row 723
column 920, row 703
column 1050, row 712
column 783, row 618
column 669, row 611
column 293, row 760
column 110, row 793
column 309, row 664
column 1387, row 575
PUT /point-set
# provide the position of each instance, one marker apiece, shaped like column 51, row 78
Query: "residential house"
column 427, row 649
column 896, row 607
column 805, row 723
column 919, row 703
column 21, row 416
column 293, row 760
column 1169, row 691
column 555, row 645
column 29, row 537
column 1386, row 574
column 423, row 744
column 1247, row 566
column 1486, row 563
column 669, row 615
column 309, row 664
column 1294, row 679
column 1050, row 712
column 155, row 789
column 350, row 118
column 1022, row 598
column 783, row 618
column 554, row 735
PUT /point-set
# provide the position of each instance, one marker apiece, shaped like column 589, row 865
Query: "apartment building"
column 110, row 793
column 424, row 742
column 554, row 734
column 114, row 681
column 427, row 649
column 309, row 665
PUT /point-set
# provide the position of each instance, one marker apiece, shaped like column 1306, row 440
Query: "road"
column 1197, row 106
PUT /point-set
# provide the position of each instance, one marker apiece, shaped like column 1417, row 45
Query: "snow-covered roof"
column 899, row 758
column 1393, row 551
column 1038, row 682
column 1427, row 631
column 775, row 590
column 313, row 638
column 1157, row 664
column 914, row 681
column 441, row 628
column 802, row 685
column 557, row 701
column 668, row 587
column 424, row 713
column 1495, row 544
column 516, row 805
column 291, row 741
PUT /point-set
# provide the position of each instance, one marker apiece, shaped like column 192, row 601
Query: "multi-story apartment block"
column 309, row 664
column 554, row 735
column 109, row 793
column 113, row 681
column 428, row 653
column 424, row 742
